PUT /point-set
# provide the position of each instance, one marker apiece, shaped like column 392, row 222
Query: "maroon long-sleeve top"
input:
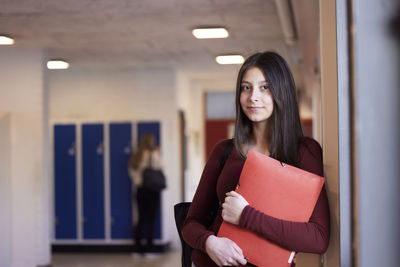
column 311, row 237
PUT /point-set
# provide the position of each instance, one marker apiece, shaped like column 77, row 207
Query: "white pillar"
column 26, row 212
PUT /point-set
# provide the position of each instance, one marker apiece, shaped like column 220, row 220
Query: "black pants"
column 148, row 202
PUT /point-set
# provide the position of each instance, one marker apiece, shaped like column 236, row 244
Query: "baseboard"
column 159, row 248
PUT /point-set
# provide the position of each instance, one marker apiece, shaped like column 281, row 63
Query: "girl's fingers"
column 242, row 261
column 237, row 248
column 239, row 254
column 232, row 194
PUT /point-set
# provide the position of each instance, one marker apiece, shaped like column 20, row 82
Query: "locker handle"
column 100, row 149
column 72, row 149
column 127, row 150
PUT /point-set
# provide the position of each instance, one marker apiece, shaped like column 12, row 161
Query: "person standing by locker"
column 147, row 200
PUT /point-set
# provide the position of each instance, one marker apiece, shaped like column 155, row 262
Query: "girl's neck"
column 260, row 138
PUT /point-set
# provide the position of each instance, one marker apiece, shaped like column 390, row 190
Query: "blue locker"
column 65, row 181
column 153, row 128
column 93, row 181
column 149, row 127
column 121, row 195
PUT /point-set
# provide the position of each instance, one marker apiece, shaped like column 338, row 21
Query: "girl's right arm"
column 194, row 231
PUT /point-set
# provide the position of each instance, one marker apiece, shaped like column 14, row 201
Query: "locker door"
column 93, row 181
column 65, row 181
column 121, row 196
column 153, row 128
column 149, row 127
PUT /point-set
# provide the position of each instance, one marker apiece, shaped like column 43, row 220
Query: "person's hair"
column 284, row 123
column 147, row 142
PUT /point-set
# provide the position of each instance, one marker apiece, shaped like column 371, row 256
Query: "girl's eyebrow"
column 262, row 82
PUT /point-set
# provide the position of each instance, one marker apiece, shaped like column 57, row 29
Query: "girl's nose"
column 254, row 95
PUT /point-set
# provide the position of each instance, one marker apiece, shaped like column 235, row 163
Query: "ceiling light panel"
column 210, row 33
column 57, row 65
column 4, row 40
column 229, row 59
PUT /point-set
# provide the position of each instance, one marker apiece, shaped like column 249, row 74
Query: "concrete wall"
column 110, row 94
column 377, row 131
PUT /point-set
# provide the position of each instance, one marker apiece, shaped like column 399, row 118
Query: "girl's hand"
column 232, row 207
column 224, row 252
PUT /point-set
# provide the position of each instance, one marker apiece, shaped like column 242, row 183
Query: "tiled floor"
column 168, row 259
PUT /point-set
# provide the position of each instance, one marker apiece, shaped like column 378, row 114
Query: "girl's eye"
column 265, row 87
column 245, row 87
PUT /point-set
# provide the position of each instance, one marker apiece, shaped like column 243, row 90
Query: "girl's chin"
column 257, row 117
column 258, row 120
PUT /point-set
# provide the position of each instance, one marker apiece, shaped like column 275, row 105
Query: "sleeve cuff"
column 244, row 217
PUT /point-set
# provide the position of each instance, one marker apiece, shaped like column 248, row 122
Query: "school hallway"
column 136, row 67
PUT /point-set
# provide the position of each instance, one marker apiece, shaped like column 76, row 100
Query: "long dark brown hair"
column 147, row 142
column 284, row 124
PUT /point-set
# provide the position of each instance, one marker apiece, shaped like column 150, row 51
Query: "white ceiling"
column 147, row 33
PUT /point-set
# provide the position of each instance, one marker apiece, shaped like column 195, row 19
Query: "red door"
column 217, row 130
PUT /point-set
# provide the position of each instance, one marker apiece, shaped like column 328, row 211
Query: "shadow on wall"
column 394, row 27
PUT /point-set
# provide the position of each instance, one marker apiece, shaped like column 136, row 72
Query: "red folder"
column 279, row 190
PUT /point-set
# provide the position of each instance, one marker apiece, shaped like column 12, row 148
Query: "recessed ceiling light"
column 4, row 40
column 57, row 65
column 208, row 33
column 230, row 59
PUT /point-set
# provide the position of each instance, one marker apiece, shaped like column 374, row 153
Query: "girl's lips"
column 254, row 108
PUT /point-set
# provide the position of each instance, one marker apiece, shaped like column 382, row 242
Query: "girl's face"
column 255, row 96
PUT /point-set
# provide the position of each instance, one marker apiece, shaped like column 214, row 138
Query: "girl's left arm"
column 312, row 236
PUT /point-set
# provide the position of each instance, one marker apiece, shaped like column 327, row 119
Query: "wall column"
column 27, row 208
column 330, row 134
column 376, row 83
